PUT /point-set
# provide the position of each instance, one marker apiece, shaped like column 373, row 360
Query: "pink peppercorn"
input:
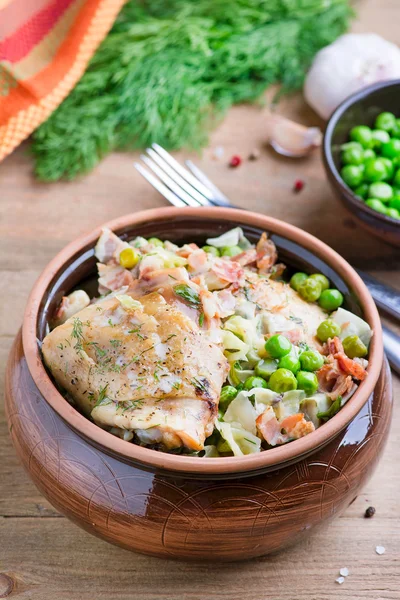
column 235, row 161
column 298, row 185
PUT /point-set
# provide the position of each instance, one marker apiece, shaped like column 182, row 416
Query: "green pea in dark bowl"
column 361, row 108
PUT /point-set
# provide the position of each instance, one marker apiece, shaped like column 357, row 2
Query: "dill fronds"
column 170, row 68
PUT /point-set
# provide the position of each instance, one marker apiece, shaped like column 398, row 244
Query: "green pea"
column 349, row 145
column 354, row 347
column 307, row 381
column 291, row 362
column 211, row 250
column 265, row 368
column 361, row 134
column 330, row 299
column 327, row 329
column 385, row 121
column 396, row 179
column 228, row 393
column 156, row 242
column 389, row 167
column 353, row 156
column 282, row 381
column 381, row 191
column 362, row 191
column 393, row 213
column 391, row 149
column 376, row 205
column 230, row 250
column 352, row 175
column 310, row 290
column 368, row 153
column 396, row 130
column 297, row 279
column 379, row 137
column 395, row 202
column 311, row 360
column 324, row 281
column 254, row 382
column 278, row 345
column 375, row 170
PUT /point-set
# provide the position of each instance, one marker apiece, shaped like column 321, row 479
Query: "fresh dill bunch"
column 169, row 69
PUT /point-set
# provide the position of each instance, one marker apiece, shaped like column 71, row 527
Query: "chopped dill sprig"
column 200, row 384
column 115, row 343
column 102, row 397
column 77, row 334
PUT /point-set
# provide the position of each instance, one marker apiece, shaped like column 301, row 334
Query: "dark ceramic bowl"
column 361, row 108
column 186, row 507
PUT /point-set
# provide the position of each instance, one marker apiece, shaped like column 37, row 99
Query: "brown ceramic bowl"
column 168, row 505
column 360, row 108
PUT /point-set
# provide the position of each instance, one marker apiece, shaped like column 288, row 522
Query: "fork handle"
column 391, row 343
column 386, row 297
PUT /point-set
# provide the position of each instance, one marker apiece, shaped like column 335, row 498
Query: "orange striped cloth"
column 45, row 46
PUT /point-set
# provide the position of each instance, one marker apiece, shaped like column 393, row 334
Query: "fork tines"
column 176, row 183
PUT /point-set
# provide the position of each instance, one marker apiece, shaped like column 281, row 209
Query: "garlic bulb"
column 352, row 62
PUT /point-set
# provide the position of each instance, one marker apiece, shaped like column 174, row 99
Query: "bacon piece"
column 327, row 375
column 246, row 258
column 109, row 246
column 332, row 380
column 277, row 270
column 151, row 280
column 343, row 385
column 198, row 261
column 227, row 271
column 187, row 250
column 226, row 303
column 296, row 426
column 268, row 426
column 266, row 254
column 112, row 278
column 292, row 427
column 332, row 346
column 350, row 367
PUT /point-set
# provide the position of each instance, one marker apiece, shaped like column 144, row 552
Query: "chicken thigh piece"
column 140, row 366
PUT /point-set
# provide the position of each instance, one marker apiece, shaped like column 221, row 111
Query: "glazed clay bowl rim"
column 154, row 459
column 351, row 199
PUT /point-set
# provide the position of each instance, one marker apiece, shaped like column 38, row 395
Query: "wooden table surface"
column 47, row 556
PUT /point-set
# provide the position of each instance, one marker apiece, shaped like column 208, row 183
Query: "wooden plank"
column 71, row 563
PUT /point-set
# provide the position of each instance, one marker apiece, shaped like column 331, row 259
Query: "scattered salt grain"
column 218, row 152
column 344, row 572
column 340, row 580
column 380, row 550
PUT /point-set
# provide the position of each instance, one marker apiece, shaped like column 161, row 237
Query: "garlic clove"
column 292, row 139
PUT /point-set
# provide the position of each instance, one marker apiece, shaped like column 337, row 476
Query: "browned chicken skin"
column 141, row 367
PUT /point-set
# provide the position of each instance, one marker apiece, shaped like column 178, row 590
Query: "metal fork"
column 191, row 187
column 180, row 186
